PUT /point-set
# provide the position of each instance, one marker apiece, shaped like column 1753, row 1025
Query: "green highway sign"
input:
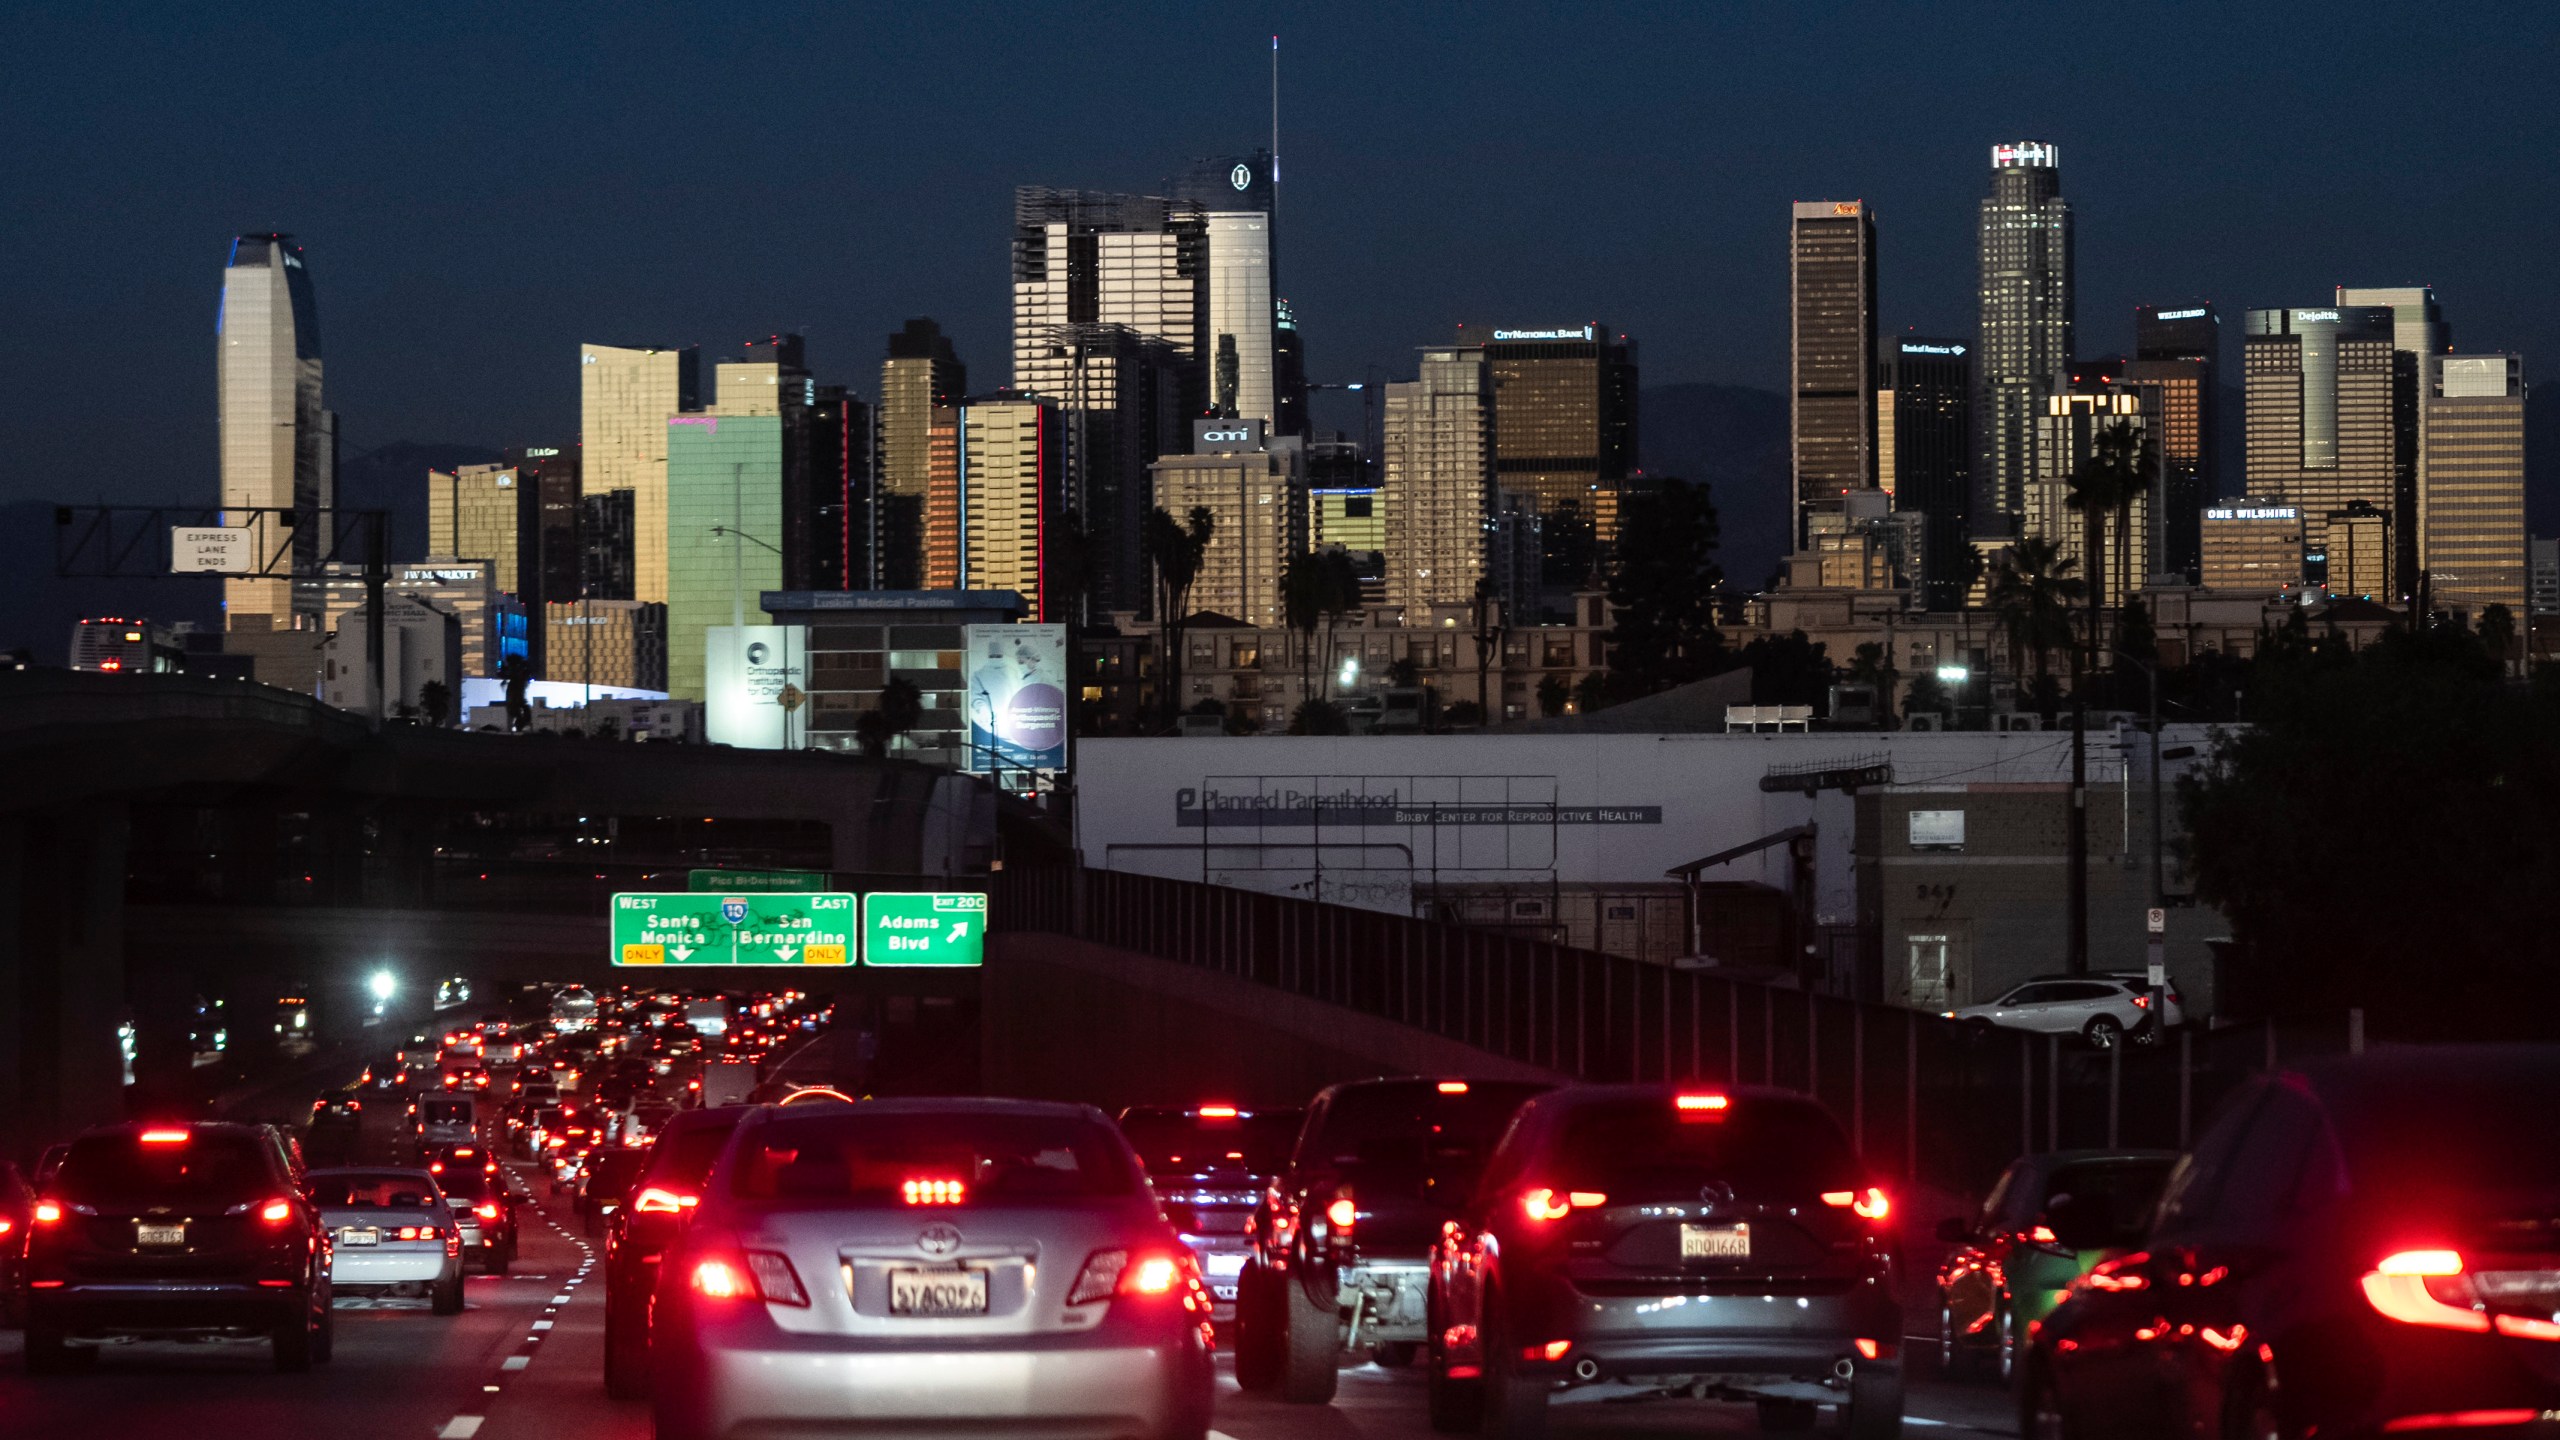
column 756, row 881
column 735, row 929
column 946, row 928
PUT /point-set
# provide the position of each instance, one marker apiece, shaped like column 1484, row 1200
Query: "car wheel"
column 1393, row 1355
column 292, row 1342
column 1952, row 1359
column 2040, row 1415
column 1790, row 1416
column 1258, row 1329
column 2102, row 1032
column 445, row 1298
column 626, row 1352
column 1515, row 1404
column 1307, row 1373
column 1874, row 1411
column 324, row 1332
column 1457, row 1406
column 2004, row 1361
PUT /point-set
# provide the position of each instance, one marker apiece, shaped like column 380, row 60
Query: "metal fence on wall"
column 1936, row 1102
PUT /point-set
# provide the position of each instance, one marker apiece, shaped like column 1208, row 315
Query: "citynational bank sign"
column 1577, row 332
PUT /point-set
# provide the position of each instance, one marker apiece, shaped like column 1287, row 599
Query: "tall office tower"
column 829, row 516
column 2178, row 361
column 1012, row 454
column 2418, row 332
column 1343, row 512
column 1241, row 343
column 625, row 395
column 724, row 495
column 1924, row 454
column 1438, row 488
column 605, row 642
column 2068, row 436
column 550, row 473
column 1083, row 257
column 605, row 563
column 279, row 443
column 2026, row 340
column 1254, row 486
column 1289, row 373
column 1831, row 253
column 1564, row 434
column 2472, row 495
column 2361, row 554
column 2326, row 422
column 485, row 512
column 922, row 372
column 1121, row 408
column 941, row 555
column 772, row 379
column 2542, row 569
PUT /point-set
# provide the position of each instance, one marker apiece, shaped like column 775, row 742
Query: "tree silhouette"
column 1175, row 549
column 2032, row 592
column 1662, row 588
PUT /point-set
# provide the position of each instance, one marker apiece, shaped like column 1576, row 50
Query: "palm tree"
column 2032, row 592
column 901, row 706
column 1175, row 548
column 1302, row 605
column 1338, row 595
column 2116, row 472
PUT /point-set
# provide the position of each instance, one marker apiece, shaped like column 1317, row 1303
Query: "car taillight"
column 654, row 1200
column 717, row 1279
column 47, row 1212
column 1113, row 1272
column 1216, row 1112
column 2141, row 1002
column 1543, row 1204
column 486, row 1209
column 775, row 1280
column 934, row 1192
column 1868, row 1204
column 276, row 1212
column 164, row 1137
column 1342, row 1214
column 2425, row 1287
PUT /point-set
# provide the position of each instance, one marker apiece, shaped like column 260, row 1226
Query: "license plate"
column 1715, row 1242
column 352, row 1236
column 160, row 1234
column 930, row 1293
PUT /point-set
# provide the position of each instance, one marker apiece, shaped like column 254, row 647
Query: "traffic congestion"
column 627, row 1212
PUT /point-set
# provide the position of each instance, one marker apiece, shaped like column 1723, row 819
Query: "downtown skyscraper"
column 2330, row 424
column 278, row 441
column 625, row 394
column 921, row 374
column 1831, row 251
column 2024, row 349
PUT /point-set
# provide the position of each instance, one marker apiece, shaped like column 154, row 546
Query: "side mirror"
column 1955, row 1230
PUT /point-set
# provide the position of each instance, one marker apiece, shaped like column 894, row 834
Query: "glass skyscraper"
column 2329, row 422
column 2473, row 490
column 1832, row 269
column 724, row 474
column 2026, row 340
column 279, row 445
column 625, row 395
column 1924, row 454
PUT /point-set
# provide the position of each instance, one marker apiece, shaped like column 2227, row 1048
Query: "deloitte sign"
column 691, row 930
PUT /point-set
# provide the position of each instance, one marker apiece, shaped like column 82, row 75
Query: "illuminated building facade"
column 1832, row 354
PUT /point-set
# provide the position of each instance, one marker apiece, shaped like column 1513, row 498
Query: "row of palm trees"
column 2035, row 588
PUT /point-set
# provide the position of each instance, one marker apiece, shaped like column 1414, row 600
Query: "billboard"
column 1017, row 697
column 755, row 686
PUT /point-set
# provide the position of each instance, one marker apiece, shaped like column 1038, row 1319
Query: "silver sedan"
column 938, row 1264
column 393, row 1235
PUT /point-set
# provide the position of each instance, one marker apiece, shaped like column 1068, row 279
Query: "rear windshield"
column 445, row 1112
column 1636, row 1148
column 1177, row 1142
column 204, row 1168
column 391, row 1190
column 685, row 1158
column 864, row 1160
column 2125, row 1188
column 466, row 1182
column 1414, row 1127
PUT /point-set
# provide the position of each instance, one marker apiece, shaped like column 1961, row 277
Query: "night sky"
column 482, row 188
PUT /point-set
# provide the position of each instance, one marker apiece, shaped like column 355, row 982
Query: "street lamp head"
column 384, row 984
column 1954, row 674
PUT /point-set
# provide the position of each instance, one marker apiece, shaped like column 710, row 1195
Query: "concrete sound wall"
column 1069, row 1020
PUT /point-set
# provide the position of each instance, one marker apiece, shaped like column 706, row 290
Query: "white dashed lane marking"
column 460, row 1427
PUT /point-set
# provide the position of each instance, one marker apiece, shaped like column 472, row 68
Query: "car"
column 1728, row 1242
column 2355, row 1247
column 2100, row 1009
column 1343, row 1237
column 392, row 1233
column 610, row 1175
column 954, row 1266
column 1209, row 1164
column 2007, row 1269
column 707, row 1017
column 189, row 1231
column 483, row 1204
column 447, row 1120
column 636, row 1236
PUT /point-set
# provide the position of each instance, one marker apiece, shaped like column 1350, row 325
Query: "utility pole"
column 2077, row 956
column 377, row 543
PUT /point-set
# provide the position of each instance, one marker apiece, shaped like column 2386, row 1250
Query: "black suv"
column 659, row 1203
column 1728, row 1242
column 1210, row 1164
column 153, row 1230
column 1342, row 1240
column 484, row 1206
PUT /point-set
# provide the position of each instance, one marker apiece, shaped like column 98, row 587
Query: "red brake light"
column 2425, row 1287
column 1216, row 1112
column 1543, row 1204
column 720, row 1280
column 934, row 1192
column 7, row 1225
column 1703, row 1104
column 2043, row 1235
column 276, row 1212
column 486, row 1209
column 1155, row 1275
column 1872, row 1205
column 164, row 1137
column 655, row 1200
column 1453, row 1087
column 1342, row 1213
column 47, row 1212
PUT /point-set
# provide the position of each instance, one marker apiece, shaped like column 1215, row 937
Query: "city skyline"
column 1395, row 234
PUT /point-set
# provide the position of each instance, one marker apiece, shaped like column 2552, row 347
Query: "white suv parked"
column 2100, row 1009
